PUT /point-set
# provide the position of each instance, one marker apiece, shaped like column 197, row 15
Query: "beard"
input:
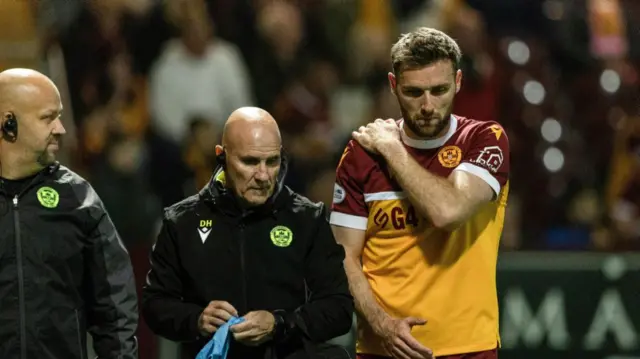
column 426, row 125
column 45, row 159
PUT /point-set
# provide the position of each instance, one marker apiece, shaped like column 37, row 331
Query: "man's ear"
column 392, row 82
column 458, row 80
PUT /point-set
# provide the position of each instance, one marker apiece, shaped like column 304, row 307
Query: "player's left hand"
column 378, row 135
column 257, row 328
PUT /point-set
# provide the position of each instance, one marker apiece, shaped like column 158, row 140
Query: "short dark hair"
column 422, row 47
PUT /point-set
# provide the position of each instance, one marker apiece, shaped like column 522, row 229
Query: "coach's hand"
column 257, row 328
column 215, row 315
column 400, row 343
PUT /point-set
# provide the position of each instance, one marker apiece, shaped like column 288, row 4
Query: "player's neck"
column 412, row 135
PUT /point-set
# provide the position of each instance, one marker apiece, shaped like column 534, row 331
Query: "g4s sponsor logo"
column 396, row 217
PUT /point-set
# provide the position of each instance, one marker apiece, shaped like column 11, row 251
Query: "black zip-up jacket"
column 63, row 272
column 211, row 249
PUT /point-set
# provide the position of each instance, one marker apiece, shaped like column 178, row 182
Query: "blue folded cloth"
column 218, row 346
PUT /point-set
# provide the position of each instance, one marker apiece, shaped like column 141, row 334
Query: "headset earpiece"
column 221, row 158
column 10, row 127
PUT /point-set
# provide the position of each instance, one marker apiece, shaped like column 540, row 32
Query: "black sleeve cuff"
column 194, row 325
column 285, row 326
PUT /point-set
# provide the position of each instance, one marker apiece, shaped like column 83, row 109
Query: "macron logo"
column 205, row 229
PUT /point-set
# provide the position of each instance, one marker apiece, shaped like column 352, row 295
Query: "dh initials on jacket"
column 205, row 229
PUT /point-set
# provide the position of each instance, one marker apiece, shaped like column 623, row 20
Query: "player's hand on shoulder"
column 375, row 136
column 216, row 314
column 399, row 342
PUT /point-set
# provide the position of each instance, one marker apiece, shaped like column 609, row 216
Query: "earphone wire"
column 2, row 134
column 1, row 152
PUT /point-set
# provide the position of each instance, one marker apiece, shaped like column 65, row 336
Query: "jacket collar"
column 225, row 201
column 39, row 177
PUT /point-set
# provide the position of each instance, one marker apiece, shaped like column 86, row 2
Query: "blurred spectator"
column 196, row 74
column 414, row 13
column 276, row 60
column 478, row 97
column 122, row 112
column 302, row 112
column 371, row 36
column 321, row 187
column 90, row 44
column 134, row 113
column 623, row 201
column 200, row 150
column 626, row 216
column 169, row 176
column 511, row 233
column 94, row 131
column 19, row 41
column 384, row 105
column 119, row 178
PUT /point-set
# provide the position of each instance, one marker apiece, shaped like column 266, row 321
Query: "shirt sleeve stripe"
column 482, row 173
column 383, row 196
column 348, row 220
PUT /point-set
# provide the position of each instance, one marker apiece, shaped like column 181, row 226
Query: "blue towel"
column 218, row 346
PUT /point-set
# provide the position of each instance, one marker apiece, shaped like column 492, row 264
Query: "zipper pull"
column 15, row 201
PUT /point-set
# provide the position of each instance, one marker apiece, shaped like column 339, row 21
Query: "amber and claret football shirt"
column 414, row 269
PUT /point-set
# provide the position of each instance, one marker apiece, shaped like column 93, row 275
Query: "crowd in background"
column 148, row 85
column 151, row 83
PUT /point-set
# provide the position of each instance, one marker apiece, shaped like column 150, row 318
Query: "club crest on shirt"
column 281, row 236
column 204, row 230
column 48, row 197
column 450, row 156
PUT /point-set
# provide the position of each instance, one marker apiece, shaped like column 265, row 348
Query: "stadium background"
column 147, row 85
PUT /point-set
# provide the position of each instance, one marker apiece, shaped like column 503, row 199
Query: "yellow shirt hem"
column 445, row 351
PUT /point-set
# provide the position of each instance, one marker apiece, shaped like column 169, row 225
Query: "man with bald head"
column 63, row 269
column 249, row 135
column 36, row 100
column 250, row 256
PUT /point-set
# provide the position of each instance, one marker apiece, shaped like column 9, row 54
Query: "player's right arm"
column 367, row 306
column 349, row 218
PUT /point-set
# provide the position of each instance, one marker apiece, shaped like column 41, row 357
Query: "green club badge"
column 281, row 236
column 48, row 197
